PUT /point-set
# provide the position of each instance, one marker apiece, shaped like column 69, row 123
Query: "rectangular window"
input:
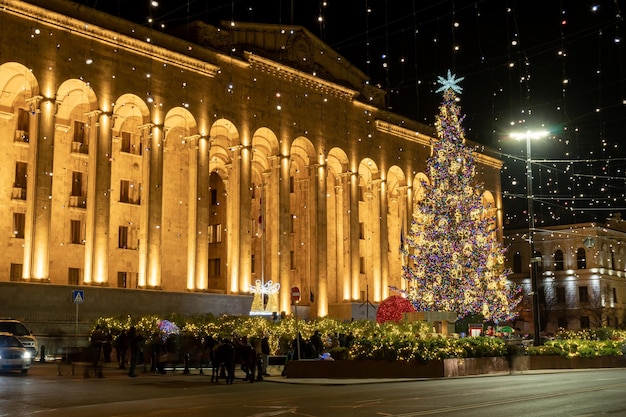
column 362, row 264
column 292, row 260
column 122, row 280
column 122, row 238
column 218, row 233
column 20, row 183
column 73, row 276
column 252, row 265
column 292, row 184
column 77, row 184
column 21, row 174
column 210, row 233
column 23, row 126
column 131, row 143
column 583, row 295
column 16, row 272
column 214, row 201
column 361, row 230
column 76, row 232
column 19, row 222
column 80, row 141
column 614, row 295
column 130, row 192
column 560, row 294
column 584, row 322
column 214, row 267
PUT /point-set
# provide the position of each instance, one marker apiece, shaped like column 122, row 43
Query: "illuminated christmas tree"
column 457, row 263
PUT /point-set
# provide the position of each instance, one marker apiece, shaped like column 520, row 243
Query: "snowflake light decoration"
column 450, row 83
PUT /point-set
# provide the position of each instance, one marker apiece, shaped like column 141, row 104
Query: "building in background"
column 582, row 274
column 202, row 162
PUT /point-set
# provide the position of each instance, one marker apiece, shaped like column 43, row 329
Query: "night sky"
column 528, row 64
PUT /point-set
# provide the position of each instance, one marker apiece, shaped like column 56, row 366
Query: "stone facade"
column 582, row 271
column 202, row 162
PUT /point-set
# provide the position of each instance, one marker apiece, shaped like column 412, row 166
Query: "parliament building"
column 211, row 160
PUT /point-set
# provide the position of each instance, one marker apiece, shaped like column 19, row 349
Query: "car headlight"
column 26, row 355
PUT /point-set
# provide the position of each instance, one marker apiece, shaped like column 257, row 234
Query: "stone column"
column 154, row 199
column 284, row 224
column 200, row 192
column 353, row 237
column 321, row 257
column 37, row 233
column 99, row 202
column 384, row 242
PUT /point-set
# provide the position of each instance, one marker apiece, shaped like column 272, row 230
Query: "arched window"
column 558, row 260
column 581, row 259
column 517, row 263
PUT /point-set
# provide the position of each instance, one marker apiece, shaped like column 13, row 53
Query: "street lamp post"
column 530, row 198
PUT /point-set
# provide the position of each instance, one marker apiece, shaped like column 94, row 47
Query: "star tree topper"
column 451, row 83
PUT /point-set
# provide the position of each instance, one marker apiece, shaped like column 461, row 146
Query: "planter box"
column 441, row 368
column 560, row 362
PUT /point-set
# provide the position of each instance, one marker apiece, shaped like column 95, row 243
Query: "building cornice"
column 106, row 36
column 402, row 132
column 277, row 69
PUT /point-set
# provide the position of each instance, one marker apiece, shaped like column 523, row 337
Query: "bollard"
column 187, row 360
column 42, row 356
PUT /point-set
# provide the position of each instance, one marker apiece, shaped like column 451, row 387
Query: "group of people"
column 128, row 346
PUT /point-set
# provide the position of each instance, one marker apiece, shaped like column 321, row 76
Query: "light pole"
column 530, row 198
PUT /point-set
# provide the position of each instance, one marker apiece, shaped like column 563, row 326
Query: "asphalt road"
column 43, row 393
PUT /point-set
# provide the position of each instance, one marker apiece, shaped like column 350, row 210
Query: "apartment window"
column 583, row 294
column 76, row 232
column 584, row 322
column 19, row 221
column 362, row 264
column 614, row 295
column 581, row 259
column 20, row 184
column 558, row 260
column 77, row 184
column 292, row 260
column 73, row 276
column 23, row 126
column 16, row 272
column 560, row 294
column 131, row 143
column 80, row 142
column 122, row 238
column 517, row 263
column 122, row 280
column 215, row 233
column 361, row 230
column 612, row 259
column 130, row 192
column 214, row 267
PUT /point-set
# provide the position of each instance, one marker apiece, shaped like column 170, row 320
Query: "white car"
column 24, row 335
column 13, row 355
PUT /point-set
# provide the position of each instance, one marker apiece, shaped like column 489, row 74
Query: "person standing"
column 265, row 352
column 97, row 340
column 121, row 347
column 134, row 343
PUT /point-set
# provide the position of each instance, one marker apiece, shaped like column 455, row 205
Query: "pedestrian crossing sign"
column 78, row 296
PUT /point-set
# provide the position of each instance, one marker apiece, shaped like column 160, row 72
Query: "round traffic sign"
column 295, row 294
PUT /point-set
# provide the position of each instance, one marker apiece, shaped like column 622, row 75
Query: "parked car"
column 13, row 355
column 24, row 335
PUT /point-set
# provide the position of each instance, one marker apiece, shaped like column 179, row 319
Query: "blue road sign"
column 78, row 296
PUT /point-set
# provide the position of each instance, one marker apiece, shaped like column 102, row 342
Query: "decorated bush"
column 393, row 308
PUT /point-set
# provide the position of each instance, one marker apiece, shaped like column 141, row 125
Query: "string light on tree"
column 457, row 263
